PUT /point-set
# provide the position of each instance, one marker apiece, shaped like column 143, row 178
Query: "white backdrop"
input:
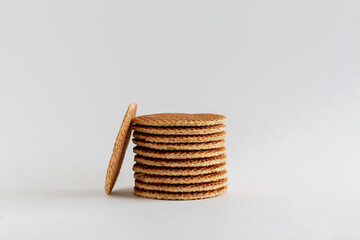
column 285, row 73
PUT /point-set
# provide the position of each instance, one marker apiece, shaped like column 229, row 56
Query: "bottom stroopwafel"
column 195, row 187
column 181, row 179
column 179, row 196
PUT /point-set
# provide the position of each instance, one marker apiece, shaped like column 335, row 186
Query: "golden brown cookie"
column 195, row 187
column 180, row 138
column 180, row 119
column 179, row 196
column 139, row 168
column 198, row 162
column 179, row 146
column 181, row 179
column 180, row 130
column 147, row 152
column 119, row 150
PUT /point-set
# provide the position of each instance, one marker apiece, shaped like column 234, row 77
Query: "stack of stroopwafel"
column 180, row 156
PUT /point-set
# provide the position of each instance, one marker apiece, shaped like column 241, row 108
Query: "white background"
column 285, row 73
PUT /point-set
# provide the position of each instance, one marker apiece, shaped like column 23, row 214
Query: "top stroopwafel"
column 180, row 119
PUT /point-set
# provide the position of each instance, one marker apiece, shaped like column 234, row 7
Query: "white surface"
column 286, row 74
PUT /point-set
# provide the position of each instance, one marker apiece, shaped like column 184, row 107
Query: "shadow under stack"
column 180, row 156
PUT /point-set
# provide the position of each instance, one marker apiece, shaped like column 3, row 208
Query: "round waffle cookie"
column 119, row 150
column 180, row 138
column 198, row 162
column 147, row 152
column 139, row 168
column 179, row 146
column 180, row 130
column 179, row 195
column 196, row 187
column 180, row 119
column 210, row 177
